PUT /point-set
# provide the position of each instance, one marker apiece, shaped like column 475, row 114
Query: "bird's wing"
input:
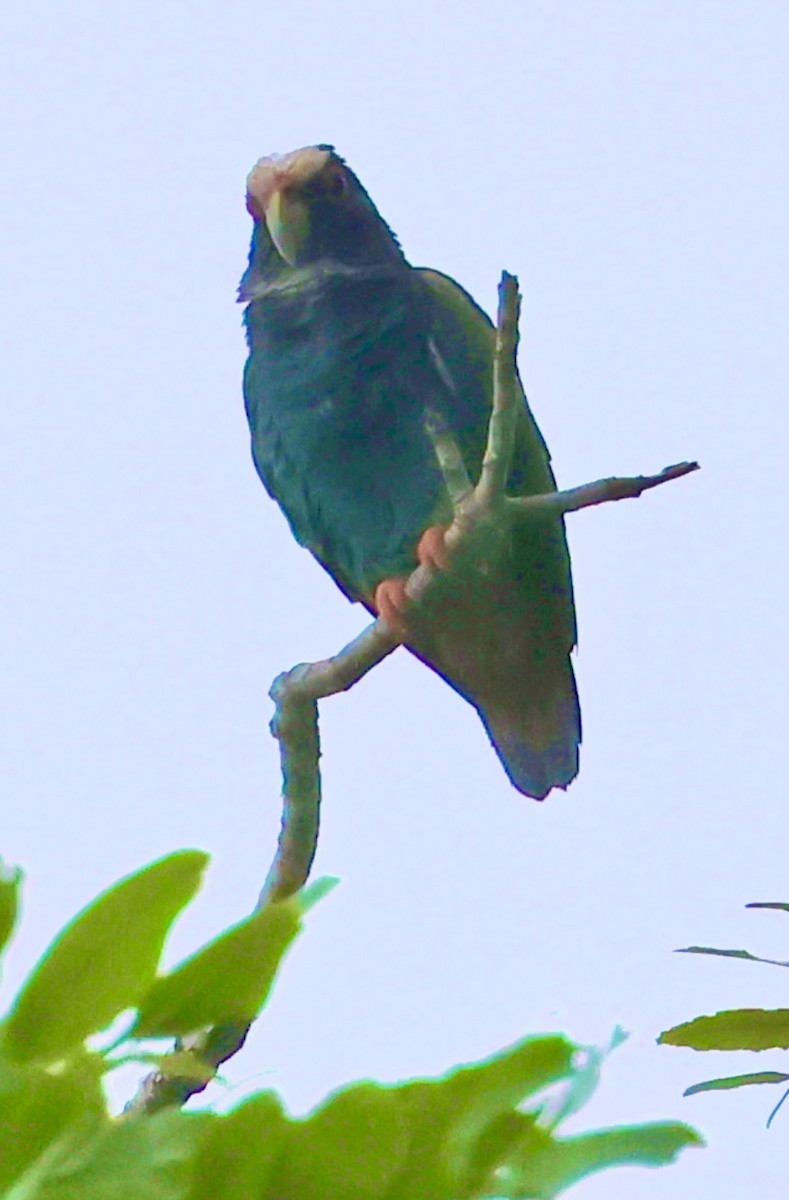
column 466, row 337
column 515, row 668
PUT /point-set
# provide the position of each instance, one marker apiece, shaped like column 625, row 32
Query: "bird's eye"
column 334, row 184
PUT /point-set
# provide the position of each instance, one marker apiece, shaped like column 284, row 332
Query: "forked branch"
column 296, row 692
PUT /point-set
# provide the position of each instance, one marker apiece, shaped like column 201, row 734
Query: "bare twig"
column 601, row 491
column 501, row 429
column 161, row 1090
column 295, row 724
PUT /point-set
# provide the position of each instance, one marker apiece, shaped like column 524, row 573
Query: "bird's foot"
column 390, row 602
column 431, row 550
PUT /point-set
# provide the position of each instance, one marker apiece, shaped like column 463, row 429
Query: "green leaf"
column 436, row 1139
column 102, row 962
column 734, row 1029
column 545, row 1166
column 242, row 1149
column 10, row 881
column 355, row 1145
column 768, row 904
column 456, row 1120
column 36, row 1106
column 736, row 1081
column 314, row 892
column 583, row 1082
column 144, row 1158
column 773, row 962
column 227, row 981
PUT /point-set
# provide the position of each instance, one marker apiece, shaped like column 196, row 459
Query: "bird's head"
column 309, row 207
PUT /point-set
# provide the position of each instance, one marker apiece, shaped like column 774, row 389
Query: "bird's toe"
column 431, row 550
column 390, row 602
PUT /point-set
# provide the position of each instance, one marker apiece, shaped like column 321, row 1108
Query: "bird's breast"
column 337, row 387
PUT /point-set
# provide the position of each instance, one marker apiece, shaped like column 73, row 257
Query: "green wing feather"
column 465, row 333
column 504, row 641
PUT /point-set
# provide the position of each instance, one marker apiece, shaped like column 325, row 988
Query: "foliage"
column 466, row 1134
column 737, row 1028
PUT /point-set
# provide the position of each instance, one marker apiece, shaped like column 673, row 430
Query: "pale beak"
column 275, row 192
column 288, row 221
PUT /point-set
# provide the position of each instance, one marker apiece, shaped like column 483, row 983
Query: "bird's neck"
column 318, row 275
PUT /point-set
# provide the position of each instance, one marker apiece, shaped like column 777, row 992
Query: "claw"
column 390, row 602
column 431, row 550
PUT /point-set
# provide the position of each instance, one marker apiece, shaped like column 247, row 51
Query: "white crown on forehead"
column 277, row 171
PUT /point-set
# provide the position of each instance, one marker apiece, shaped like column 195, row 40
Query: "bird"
column 353, row 356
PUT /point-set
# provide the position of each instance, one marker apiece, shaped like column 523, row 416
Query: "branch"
column 601, row 491
column 296, row 692
column 295, row 724
column 497, row 458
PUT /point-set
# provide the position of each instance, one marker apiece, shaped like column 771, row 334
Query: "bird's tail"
column 536, row 732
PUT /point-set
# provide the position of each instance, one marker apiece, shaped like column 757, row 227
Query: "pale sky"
column 628, row 162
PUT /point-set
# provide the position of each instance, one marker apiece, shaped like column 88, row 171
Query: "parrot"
column 353, row 356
